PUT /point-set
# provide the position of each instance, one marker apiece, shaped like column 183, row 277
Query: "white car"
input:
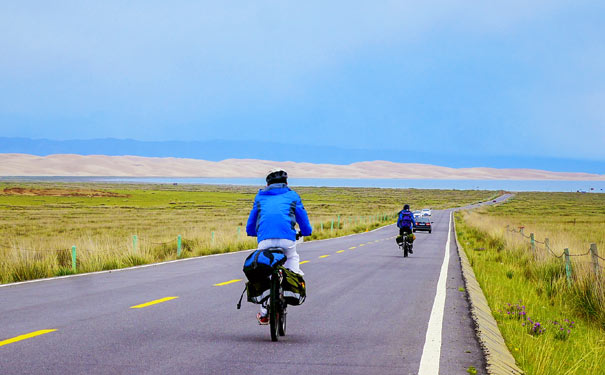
column 426, row 212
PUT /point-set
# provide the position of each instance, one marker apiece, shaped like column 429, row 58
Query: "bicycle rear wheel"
column 282, row 321
column 274, row 307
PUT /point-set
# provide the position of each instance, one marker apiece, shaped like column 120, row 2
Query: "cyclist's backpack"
column 295, row 290
column 405, row 219
column 260, row 263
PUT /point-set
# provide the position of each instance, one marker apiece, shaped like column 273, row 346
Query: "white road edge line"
column 431, row 353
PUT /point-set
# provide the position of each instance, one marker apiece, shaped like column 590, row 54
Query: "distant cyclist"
column 272, row 220
column 406, row 222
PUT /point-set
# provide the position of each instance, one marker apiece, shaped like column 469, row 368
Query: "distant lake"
column 510, row 185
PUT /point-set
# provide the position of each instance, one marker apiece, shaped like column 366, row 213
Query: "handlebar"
column 298, row 235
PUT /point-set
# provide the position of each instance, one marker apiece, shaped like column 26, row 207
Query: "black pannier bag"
column 261, row 263
column 258, row 291
column 295, row 289
column 399, row 240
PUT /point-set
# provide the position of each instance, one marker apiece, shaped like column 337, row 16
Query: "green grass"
column 515, row 280
column 37, row 232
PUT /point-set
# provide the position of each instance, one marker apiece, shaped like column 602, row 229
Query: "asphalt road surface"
column 369, row 310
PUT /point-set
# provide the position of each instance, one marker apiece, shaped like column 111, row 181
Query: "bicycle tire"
column 282, row 321
column 405, row 250
column 274, row 307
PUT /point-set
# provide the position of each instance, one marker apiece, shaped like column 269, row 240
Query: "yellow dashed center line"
column 26, row 336
column 228, row 282
column 352, row 247
column 362, row 244
column 152, row 302
column 303, row 262
column 324, row 256
column 340, row 251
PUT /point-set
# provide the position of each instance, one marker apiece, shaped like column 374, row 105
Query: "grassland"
column 38, row 231
column 522, row 282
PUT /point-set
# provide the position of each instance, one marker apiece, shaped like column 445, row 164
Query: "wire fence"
column 596, row 268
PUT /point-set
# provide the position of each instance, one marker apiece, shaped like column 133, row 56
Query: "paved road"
column 367, row 312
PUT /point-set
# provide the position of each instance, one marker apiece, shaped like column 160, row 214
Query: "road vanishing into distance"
column 369, row 310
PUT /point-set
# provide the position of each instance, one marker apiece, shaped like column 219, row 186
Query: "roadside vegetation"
column 552, row 324
column 40, row 222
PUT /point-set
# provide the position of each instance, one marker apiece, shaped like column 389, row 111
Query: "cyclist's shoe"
column 262, row 320
column 411, row 251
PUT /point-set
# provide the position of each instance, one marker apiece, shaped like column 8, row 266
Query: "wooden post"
column 547, row 243
column 567, row 266
column 595, row 259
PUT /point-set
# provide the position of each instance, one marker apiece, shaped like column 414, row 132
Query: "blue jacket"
column 400, row 221
column 275, row 213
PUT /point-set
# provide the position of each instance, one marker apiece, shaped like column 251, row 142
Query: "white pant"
column 292, row 258
column 289, row 246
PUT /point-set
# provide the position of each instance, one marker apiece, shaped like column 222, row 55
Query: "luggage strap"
column 239, row 304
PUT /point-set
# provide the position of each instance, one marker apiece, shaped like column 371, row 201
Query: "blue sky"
column 514, row 78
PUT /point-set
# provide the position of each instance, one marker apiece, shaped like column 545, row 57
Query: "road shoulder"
column 498, row 358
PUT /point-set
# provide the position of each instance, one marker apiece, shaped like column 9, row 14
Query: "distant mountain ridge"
column 138, row 166
column 218, row 150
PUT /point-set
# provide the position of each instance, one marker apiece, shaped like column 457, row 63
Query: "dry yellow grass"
column 37, row 232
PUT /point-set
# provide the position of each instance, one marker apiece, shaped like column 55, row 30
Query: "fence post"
column 567, row 266
column 238, row 233
column 322, row 226
column 212, row 237
column 533, row 243
column 521, row 230
column 595, row 259
column 134, row 243
column 331, row 225
column 178, row 246
column 73, row 258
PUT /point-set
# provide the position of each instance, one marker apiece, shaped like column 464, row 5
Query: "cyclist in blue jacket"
column 406, row 222
column 273, row 220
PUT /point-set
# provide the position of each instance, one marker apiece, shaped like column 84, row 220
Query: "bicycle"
column 405, row 244
column 276, row 302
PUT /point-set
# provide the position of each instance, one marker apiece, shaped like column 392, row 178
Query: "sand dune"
column 136, row 166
